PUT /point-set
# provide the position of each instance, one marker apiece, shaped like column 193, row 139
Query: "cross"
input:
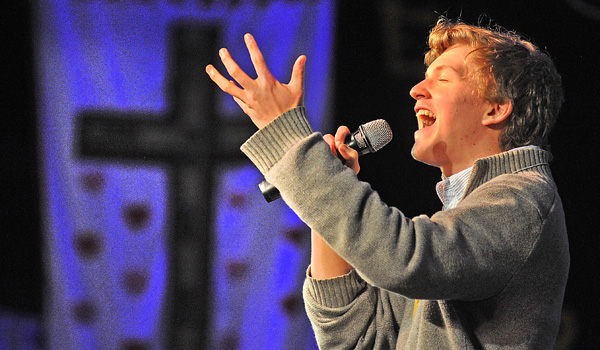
column 192, row 140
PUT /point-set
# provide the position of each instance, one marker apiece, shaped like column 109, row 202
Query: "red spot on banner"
column 136, row 215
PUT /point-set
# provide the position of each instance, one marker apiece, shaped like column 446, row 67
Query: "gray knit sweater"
column 488, row 274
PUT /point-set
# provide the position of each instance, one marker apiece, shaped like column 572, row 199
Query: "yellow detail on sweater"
column 416, row 305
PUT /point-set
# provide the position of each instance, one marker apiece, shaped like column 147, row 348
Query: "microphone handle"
column 269, row 191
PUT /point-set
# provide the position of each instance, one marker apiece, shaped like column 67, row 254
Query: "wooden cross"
column 192, row 140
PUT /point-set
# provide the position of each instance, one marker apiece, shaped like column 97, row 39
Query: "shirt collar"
column 451, row 189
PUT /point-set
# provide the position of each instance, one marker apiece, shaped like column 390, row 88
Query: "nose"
column 419, row 91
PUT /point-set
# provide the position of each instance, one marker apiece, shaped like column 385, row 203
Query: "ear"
column 497, row 113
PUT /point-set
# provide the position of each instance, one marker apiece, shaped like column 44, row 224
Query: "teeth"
column 425, row 112
column 426, row 116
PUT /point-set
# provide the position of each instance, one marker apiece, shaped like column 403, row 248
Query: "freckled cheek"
column 462, row 126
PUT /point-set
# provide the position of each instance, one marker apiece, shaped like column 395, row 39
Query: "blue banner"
column 108, row 228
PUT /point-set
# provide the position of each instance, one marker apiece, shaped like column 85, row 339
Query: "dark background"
column 21, row 275
column 379, row 52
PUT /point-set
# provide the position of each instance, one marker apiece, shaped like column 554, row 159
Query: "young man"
column 486, row 272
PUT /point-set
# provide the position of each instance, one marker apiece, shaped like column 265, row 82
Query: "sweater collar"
column 509, row 162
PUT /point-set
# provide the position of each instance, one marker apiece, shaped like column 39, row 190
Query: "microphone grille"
column 378, row 133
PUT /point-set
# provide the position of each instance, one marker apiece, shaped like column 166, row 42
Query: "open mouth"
column 426, row 117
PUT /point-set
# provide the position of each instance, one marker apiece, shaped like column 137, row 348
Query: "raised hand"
column 263, row 98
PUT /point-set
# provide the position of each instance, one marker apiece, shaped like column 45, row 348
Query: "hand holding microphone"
column 347, row 155
column 369, row 138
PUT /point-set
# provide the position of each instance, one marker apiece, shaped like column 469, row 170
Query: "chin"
column 422, row 157
column 416, row 156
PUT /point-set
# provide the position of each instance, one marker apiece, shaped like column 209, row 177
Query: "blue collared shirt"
column 451, row 189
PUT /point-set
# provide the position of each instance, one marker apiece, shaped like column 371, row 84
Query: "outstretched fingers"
column 257, row 58
column 234, row 69
column 264, row 98
column 223, row 83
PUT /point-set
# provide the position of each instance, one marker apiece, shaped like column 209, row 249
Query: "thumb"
column 351, row 157
column 297, row 79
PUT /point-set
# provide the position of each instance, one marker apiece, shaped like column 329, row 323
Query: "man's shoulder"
column 525, row 180
column 529, row 188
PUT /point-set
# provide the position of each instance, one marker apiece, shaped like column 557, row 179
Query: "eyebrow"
column 442, row 67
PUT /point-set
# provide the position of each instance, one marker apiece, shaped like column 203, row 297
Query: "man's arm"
column 325, row 262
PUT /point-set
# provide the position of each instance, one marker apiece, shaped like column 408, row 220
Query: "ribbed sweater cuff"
column 335, row 292
column 269, row 144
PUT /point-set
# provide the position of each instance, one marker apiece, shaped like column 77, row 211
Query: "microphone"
column 369, row 138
